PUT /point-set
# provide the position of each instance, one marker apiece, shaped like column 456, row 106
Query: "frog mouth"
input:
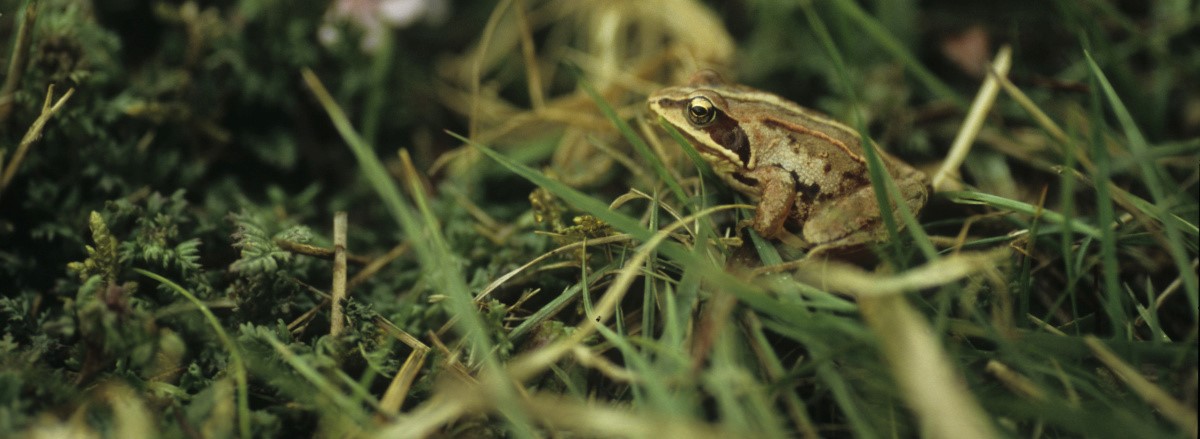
column 697, row 144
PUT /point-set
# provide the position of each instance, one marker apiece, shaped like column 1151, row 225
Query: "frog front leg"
column 777, row 195
column 855, row 219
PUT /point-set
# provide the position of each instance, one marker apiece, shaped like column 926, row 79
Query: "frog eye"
column 700, row 111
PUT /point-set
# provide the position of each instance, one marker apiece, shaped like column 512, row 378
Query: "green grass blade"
column 874, row 167
column 1066, row 240
column 639, row 145
column 773, row 367
column 653, row 383
column 737, row 392
column 567, row 193
column 349, row 407
column 688, row 149
column 749, row 294
column 1153, row 177
column 1025, row 276
column 881, row 182
column 875, row 31
column 649, row 286
column 439, row 264
column 235, row 354
column 998, row 202
column 847, row 400
column 1105, row 215
column 556, row 305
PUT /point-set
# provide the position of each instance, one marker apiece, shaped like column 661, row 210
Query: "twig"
column 34, row 133
column 376, row 265
column 338, row 291
column 319, row 252
column 299, row 323
column 398, row 389
column 16, row 62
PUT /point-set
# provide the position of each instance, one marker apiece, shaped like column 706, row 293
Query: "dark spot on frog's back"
column 807, row 192
column 856, row 179
column 726, row 132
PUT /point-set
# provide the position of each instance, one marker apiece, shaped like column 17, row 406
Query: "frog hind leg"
column 855, row 219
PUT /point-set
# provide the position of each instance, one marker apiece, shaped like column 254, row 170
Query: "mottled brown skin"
column 807, row 172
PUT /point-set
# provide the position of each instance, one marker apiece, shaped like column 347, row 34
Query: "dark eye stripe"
column 726, row 132
column 748, row 181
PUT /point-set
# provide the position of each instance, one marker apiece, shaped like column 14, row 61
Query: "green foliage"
column 259, row 251
column 102, row 259
column 268, row 283
column 112, row 326
column 146, row 243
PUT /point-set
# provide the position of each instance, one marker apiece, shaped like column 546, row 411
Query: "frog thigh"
column 855, row 219
column 851, row 220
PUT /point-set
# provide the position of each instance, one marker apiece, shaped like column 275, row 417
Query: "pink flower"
column 375, row 16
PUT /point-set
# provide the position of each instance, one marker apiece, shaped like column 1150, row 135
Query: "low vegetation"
column 261, row 218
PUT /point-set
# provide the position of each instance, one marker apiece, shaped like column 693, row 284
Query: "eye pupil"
column 700, row 111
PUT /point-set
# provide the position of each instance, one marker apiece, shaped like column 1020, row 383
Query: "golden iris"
column 700, row 111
